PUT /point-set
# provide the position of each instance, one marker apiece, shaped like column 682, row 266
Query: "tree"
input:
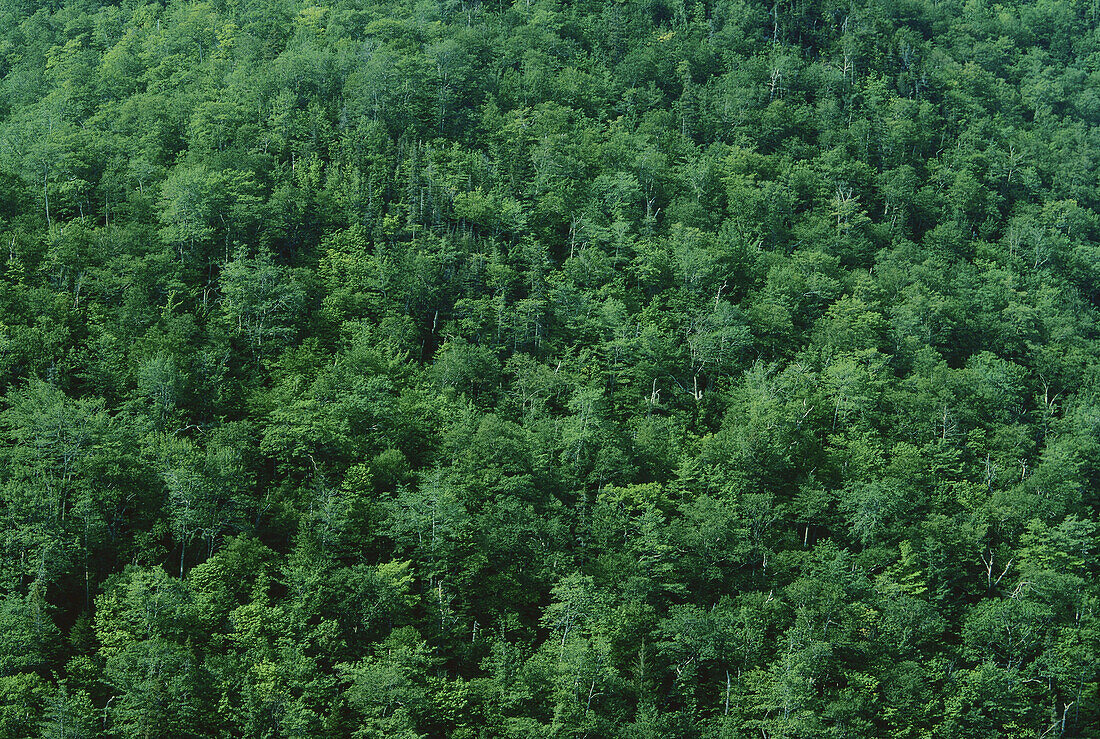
column 261, row 301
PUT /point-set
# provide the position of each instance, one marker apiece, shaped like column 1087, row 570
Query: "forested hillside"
column 606, row 368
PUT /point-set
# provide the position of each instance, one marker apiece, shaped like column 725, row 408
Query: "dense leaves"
column 606, row 369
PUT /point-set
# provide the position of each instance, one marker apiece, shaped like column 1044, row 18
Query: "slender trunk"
column 727, row 712
column 87, row 578
column 1065, row 712
column 46, row 197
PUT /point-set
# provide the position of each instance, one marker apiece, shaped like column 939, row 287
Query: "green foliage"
column 606, row 369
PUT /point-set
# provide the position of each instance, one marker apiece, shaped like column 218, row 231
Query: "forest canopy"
column 564, row 368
